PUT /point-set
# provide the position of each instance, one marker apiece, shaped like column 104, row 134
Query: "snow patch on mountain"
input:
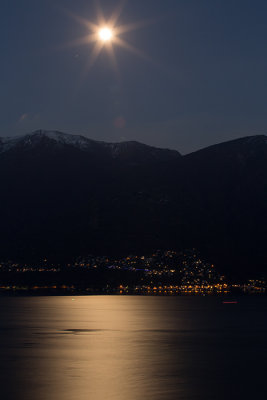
column 7, row 143
column 114, row 150
column 64, row 138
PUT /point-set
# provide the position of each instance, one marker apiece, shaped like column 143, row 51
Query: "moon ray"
column 113, row 59
column 83, row 21
column 117, row 13
column 81, row 41
column 99, row 13
column 92, row 58
column 95, row 53
column 122, row 43
column 135, row 25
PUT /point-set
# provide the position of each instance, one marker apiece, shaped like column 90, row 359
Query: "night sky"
column 197, row 77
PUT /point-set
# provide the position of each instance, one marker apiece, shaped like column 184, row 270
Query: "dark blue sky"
column 203, row 82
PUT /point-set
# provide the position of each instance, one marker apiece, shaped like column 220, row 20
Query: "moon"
column 105, row 34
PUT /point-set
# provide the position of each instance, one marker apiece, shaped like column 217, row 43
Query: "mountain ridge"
column 80, row 140
column 61, row 201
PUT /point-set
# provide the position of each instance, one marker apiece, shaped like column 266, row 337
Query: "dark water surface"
column 131, row 348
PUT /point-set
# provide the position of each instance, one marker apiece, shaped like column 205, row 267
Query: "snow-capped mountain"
column 33, row 138
column 125, row 150
column 66, row 195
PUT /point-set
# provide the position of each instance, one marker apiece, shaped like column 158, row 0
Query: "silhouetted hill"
column 65, row 195
column 229, row 186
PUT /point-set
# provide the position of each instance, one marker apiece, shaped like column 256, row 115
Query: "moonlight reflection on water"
column 131, row 348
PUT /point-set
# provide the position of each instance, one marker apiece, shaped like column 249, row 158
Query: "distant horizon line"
column 44, row 131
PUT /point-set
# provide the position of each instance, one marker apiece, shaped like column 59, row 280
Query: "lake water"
column 131, row 348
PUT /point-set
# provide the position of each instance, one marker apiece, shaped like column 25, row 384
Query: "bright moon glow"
column 105, row 34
